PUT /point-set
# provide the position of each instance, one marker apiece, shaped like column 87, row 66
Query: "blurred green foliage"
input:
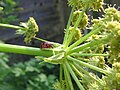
column 29, row 75
column 6, row 14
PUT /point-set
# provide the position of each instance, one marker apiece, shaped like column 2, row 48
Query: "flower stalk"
column 67, row 29
column 83, row 39
column 74, row 76
column 76, row 25
column 88, row 54
column 69, row 81
column 89, row 66
column 10, row 26
column 25, row 50
column 86, row 73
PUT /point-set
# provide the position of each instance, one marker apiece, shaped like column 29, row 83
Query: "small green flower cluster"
column 115, row 43
column 60, row 85
column 110, row 24
column 78, row 4
column 77, row 34
column 109, row 82
column 97, row 4
column 111, row 13
column 112, row 81
column 94, row 4
column 113, row 16
column 29, row 29
column 84, row 21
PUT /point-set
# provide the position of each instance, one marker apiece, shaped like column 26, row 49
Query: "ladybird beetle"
column 46, row 45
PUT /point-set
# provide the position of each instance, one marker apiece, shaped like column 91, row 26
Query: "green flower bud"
column 96, row 21
column 101, row 62
column 95, row 37
column 100, row 49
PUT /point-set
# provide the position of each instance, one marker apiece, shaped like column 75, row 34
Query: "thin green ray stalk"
column 24, row 50
column 83, row 59
column 76, row 24
column 88, row 54
column 61, row 72
column 91, row 44
column 78, row 72
column 74, row 76
column 85, row 72
column 40, row 39
column 68, row 25
column 69, row 81
column 85, row 46
column 83, row 39
column 66, row 80
column 10, row 26
column 88, row 65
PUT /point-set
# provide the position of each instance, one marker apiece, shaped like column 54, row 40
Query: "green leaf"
column 1, row 8
column 18, row 72
column 43, row 77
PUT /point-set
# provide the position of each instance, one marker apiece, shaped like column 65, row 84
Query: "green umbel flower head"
column 95, row 5
column 29, row 29
column 112, row 14
column 78, row 4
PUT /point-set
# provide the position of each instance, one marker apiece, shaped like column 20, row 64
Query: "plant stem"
column 69, row 81
column 61, row 72
column 83, row 59
column 74, row 76
column 24, row 50
column 85, row 72
column 10, row 26
column 78, row 72
column 66, row 81
column 77, row 23
column 47, row 41
column 91, row 44
column 88, row 65
column 68, row 25
column 83, row 39
column 88, row 54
